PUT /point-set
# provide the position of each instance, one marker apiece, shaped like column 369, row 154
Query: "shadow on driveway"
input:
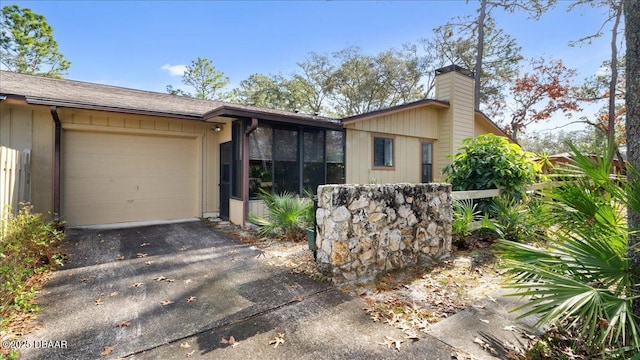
column 190, row 284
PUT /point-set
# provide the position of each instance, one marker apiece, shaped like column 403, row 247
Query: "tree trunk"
column 611, row 125
column 632, row 37
column 480, row 53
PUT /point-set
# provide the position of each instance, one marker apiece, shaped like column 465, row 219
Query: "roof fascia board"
column 492, row 124
column 75, row 105
column 420, row 103
column 265, row 115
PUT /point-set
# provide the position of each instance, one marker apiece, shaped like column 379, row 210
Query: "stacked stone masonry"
column 364, row 230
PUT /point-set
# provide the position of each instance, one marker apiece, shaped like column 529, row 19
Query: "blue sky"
column 127, row 43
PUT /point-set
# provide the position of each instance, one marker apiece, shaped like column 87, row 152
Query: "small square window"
column 382, row 152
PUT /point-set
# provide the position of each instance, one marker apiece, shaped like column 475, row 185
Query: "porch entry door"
column 225, row 179
column 427, row 162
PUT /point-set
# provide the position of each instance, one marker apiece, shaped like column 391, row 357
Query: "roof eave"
column 232, row 111
column 78, row 105
column 438, row 104
column 493, row 124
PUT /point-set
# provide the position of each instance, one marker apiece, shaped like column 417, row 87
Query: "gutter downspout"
column 56, row 163
column 245, row 170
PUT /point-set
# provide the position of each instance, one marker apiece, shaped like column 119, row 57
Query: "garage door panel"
column 111, row 178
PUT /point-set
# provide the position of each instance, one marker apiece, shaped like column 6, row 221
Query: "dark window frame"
column 373, row 152
column 423, row 164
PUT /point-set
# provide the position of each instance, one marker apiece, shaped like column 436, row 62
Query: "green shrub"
column 492, row 162
column 26, row 248
column 287, row 216
column 465, row 213
column 515, row 220
column 583, row 278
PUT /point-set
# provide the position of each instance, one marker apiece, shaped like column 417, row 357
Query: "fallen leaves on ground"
column 232, row 341
column 108, row 349
column 389, row 341
column 279, row 339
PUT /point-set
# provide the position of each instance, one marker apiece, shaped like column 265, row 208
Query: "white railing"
column 482, row 194
column 15, row 174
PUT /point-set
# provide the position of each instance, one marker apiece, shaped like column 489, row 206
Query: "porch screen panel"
column 236, row 181
column 313, row 154
column 335, row 157
column 260, row 160
column 285, row 161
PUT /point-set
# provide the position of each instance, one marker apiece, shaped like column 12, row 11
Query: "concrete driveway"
column 182, row 290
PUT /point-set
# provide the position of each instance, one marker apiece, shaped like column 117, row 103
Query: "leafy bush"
column 492, row 162
column 287, row 216
column 26, row 248
column 583, row 279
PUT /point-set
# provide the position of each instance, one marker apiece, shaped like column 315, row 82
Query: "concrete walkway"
column 182, row 290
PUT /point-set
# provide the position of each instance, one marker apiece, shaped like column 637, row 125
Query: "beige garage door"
column 112, row 178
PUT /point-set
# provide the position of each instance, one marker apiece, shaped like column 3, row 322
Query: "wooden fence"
column 15, row 173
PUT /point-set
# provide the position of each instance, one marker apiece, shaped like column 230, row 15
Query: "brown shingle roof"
column 84, row 95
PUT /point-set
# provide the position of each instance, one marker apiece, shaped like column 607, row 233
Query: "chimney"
column 454, row 84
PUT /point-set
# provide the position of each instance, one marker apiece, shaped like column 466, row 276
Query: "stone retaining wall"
column 363, row 230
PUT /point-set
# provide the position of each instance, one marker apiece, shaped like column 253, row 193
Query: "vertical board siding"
column 15, row 176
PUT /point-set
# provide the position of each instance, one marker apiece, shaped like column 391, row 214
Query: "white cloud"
column 174, row 70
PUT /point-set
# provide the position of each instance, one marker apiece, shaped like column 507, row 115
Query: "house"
column 104, row 154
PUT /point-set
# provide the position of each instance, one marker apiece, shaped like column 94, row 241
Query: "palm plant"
column 583, row 278
column 465, row 213
column 287, row 215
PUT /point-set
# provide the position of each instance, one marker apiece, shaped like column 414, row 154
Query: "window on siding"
column 427, row 162
column 382, row 152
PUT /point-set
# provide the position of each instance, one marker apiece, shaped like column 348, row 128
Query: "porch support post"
column 56, row 163
column 245, row 169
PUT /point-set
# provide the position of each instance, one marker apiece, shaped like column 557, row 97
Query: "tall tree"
column 478, row 26
column 361, row 83
column 615, row 15
column 538, row 94
column 27, row 44
column 632, row 37
column 597, row 89
column 203, row 77
column 261, row 90
column 455, row 43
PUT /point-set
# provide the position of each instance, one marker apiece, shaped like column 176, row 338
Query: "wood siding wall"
column 31, row 127
column 457, row 122
column 28, row 126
